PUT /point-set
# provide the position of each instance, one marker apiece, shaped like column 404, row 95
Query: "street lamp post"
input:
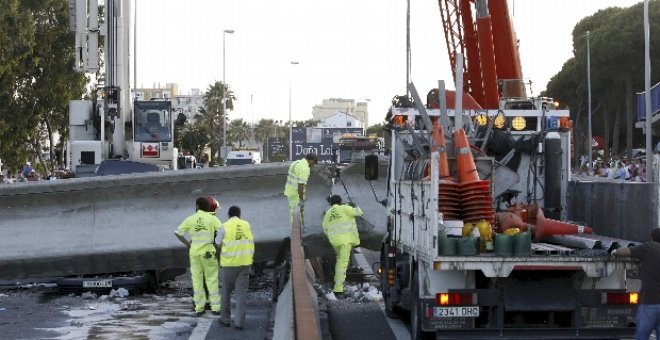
column 290, row 121
column 590, row 137
column 223, row 152
column 650, row 176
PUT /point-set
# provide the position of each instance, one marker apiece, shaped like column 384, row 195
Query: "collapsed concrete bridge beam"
column 126, row 223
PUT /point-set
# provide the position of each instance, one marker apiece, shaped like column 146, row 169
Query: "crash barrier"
column 297, row 313
column 305, row 306
column 125, row 223
column 619, row 209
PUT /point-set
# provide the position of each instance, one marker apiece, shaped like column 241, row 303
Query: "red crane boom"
column 482, row 31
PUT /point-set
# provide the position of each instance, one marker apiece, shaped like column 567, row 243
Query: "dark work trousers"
column 234, row 279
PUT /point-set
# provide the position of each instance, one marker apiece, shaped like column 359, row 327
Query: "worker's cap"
column 334, row 199
column 213, row 204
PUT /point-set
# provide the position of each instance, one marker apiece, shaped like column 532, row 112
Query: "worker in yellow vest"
column 296, row 181
column 341, row 229
column 236, row 256
column 202, row 227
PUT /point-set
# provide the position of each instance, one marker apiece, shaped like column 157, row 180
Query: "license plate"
column 97, row 284
column 456, row 312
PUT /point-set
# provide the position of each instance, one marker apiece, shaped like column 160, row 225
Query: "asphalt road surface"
column 39, row 311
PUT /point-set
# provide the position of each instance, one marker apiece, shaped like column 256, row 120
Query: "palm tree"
column 263, row 129
column 239, row 131
column 213, row 115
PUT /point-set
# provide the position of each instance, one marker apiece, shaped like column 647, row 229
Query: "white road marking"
column 202, row 328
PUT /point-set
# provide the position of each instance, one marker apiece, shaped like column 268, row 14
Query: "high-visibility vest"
column 202, row 227
column 340, row 226
column 237, row 244
column 298, row 173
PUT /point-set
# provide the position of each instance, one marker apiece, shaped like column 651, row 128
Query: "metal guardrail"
column 305, row 321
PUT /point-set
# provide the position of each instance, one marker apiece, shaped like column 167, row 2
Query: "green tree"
column 238, row 132
column 306, row 123
column 195, row 137
column 37, row 79
column 616, row 44
column 213, row 115
column 264, row 129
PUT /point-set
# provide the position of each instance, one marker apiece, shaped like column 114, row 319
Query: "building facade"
column 341, row 120
column 170, row 91
column 349, row 107
column 189, row 104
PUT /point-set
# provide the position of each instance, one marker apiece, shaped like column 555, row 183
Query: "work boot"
column 199, row 313
column 224, row 323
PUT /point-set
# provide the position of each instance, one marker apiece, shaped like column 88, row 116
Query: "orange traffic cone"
column 467, row 170
column 547, row 226
column 438, row 136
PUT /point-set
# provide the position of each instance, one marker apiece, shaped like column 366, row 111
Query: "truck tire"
column 416, row 332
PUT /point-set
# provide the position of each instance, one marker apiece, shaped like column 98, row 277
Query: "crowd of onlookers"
column 622, row 169
column 29, row 174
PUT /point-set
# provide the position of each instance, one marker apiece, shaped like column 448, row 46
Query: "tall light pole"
column 590, row 137
column 223, row 152
column 647, row 96
column 290, row 121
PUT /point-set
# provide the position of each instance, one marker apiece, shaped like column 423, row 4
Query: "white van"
column 243, row 157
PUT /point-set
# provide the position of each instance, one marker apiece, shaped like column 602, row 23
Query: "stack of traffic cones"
column 449, row 203
column 476, row 198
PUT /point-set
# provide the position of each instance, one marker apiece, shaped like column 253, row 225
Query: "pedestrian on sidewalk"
column 340, row 227
column 648, row 313
column 202, row 227
column 236, row 257
column 296, row 183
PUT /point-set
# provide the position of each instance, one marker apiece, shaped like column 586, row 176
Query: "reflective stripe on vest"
column 293, row 179
column 237, row 244
column 341, row 227
column 201, row 237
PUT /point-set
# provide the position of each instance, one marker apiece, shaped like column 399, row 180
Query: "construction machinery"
column 115, row 123
column 353, row 145
column 475, row 246
column 448, row 260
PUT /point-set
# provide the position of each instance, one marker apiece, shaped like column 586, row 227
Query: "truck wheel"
column 416, row 332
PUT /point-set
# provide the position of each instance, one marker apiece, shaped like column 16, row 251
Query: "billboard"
column 320, row 141
column 641, row 103
column 276, row 148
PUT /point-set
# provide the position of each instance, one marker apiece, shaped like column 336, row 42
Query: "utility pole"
column 223, row 152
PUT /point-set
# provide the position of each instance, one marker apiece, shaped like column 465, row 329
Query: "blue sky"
column 353, row 49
